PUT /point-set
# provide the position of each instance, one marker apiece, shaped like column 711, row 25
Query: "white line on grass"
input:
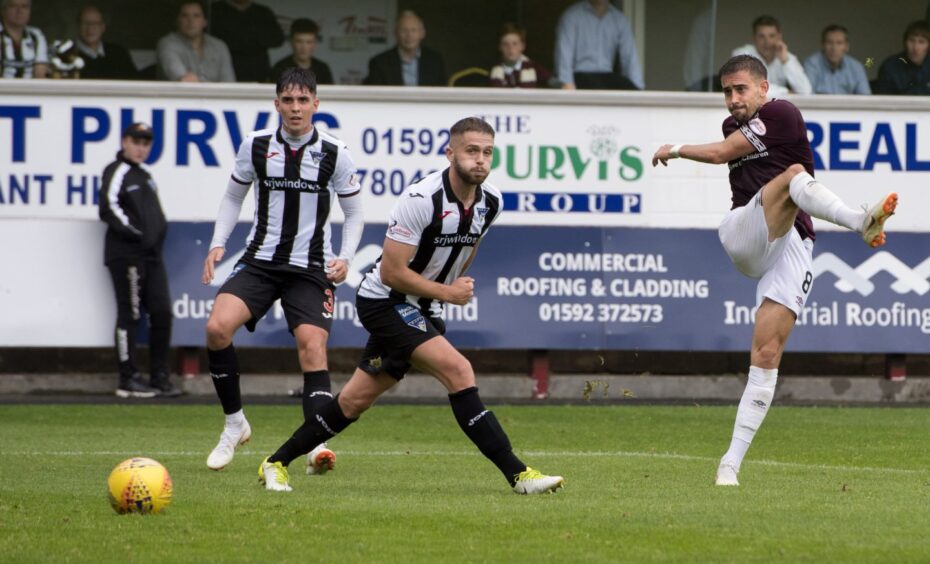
column 588, row 454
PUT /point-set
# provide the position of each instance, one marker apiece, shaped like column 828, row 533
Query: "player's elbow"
column 720, row 156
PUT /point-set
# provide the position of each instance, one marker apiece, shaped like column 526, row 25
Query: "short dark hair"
column 84, row 9
column 305, row 25
column 744, row 63
column 471, row 124
column 920, row 28
column 299, row 77
column 765, row 21
column 513, row 28
column 183, row 3
column 830, row 29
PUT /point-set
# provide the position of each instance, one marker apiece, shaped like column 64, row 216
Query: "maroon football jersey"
column 778, row 133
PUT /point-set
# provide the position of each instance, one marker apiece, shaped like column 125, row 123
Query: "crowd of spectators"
column 594, row 49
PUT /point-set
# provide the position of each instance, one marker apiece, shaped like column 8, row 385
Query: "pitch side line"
column 540, row 453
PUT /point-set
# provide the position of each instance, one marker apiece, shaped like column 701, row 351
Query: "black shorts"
column 306, row 296
column 396, row 328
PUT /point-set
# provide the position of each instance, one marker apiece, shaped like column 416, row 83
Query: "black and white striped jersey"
column 18, row 62
column 295, row 187
column 430, row 216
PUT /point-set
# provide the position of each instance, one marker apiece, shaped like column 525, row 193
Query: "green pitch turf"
column 820, row 484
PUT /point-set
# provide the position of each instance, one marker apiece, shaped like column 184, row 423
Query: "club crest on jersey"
column 317, row 156
column 411, row 316
column 757, row 127
column 482, row 212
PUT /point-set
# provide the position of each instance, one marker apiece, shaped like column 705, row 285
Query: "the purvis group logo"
column 604, row 162
column 859, row 279
column 604, row 159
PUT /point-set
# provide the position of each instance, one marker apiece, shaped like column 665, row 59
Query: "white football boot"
column 230, row 439
column 320, row 460
column 726, row 475
column 535, row 482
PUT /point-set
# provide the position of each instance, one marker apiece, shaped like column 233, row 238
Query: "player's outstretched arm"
column 733, row 147
column 396, row 274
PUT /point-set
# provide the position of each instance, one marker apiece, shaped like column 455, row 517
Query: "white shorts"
column 783, row 266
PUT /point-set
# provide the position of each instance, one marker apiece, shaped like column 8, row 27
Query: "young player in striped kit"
column 298, row 172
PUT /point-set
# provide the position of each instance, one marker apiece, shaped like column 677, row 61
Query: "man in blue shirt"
column 591, row 35
column 832, row 70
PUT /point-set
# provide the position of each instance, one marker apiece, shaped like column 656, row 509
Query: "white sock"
column 236, row 419
column 817, row 200
column 757, row 397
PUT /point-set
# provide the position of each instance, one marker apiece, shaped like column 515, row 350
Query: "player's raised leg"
column 440, row 359
column 773, row 326
column 812, row 196
column 228, row 314
column 317, row 389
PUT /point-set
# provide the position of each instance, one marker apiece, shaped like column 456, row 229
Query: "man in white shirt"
column 785, row 73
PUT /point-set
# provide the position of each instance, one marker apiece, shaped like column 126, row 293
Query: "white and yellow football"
column 139, row 485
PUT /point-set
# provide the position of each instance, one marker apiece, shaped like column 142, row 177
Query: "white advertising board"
column 562, row 159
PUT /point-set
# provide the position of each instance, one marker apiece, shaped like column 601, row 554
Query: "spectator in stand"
column 305, row 36
column 516, row 69
column 23, row 50
column 102, row 59
column 249, row 30
column 832, row 70
column 785, row 73
column 189, row 54
column 595, row 49
column 409, row 63
column 908, row 72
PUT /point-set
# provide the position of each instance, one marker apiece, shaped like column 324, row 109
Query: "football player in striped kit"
column 299, row 172
column 432, row 237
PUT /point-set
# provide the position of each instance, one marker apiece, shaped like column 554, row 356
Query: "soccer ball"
column 139, row 485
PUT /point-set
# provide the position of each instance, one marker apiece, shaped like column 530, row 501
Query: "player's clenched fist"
column 214, row 256
column 461, row 290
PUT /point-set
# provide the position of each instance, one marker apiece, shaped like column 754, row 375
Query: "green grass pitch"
column 819, row 485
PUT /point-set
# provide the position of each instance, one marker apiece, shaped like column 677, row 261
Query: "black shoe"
column 162, row 383
column 134, row 387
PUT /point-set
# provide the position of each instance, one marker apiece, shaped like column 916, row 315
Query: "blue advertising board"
column 613, row 288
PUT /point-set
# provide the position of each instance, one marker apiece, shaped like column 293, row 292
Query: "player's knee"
column 218, row 336
column 313, row 351
column 459, row 373
column 352, row 405
column 795, row 169
column 768, row 354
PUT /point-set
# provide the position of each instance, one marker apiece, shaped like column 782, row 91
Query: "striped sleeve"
column 111, row 211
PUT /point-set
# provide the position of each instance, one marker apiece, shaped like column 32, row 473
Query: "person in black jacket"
column 249, row 30
column 136, row 230
column 908, row 72
column 102, row 59
column 409, row 63
column 305, row 36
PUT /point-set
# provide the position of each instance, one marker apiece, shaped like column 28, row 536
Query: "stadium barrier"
column 596, row 249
